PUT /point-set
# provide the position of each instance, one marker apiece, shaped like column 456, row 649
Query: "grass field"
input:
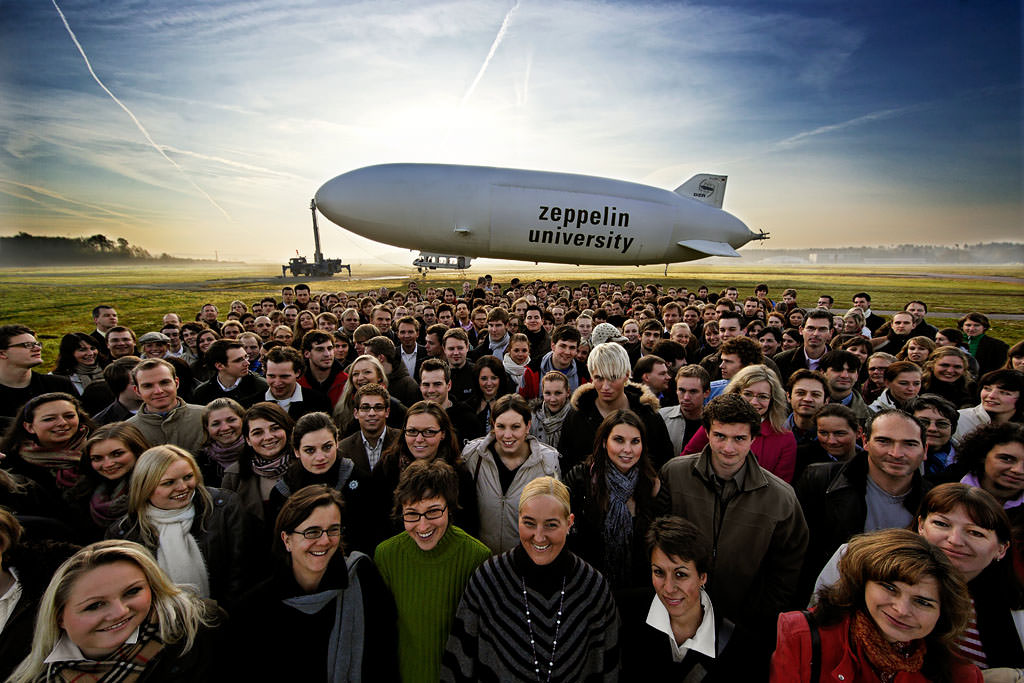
column 60, row 299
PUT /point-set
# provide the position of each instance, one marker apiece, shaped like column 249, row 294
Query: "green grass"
column 57, row 300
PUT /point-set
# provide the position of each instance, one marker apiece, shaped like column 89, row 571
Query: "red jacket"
column 336, row 380
column 775, row 451
column 840, row 662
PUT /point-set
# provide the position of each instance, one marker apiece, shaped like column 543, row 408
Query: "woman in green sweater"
column 427, row 567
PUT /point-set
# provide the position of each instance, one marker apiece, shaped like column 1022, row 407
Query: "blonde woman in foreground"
column 110, row 613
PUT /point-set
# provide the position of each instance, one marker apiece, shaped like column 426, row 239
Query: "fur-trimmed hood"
column 585, row 396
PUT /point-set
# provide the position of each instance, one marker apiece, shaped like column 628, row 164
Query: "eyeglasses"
column 427, row 433
column 26, row 345
column 752, row 396
column 315, row 532
column 940, row 424
column 366, row 408
column 412, row 517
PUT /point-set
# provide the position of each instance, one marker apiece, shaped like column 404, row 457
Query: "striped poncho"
column 490, row 638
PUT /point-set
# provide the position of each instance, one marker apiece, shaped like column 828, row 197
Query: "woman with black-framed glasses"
column 324, row 615
column 427, row 435
column 427, row 566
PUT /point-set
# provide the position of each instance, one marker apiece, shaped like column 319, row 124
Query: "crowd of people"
column 532, row 483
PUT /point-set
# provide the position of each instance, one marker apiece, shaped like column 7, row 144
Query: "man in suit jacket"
column 988, row 351
column 105, row 317
column 816, row 331
column 693, row 385
column 411, row 354
column 872, row 321
column 374, row 437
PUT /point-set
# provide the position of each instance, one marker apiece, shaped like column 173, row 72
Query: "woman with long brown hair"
column 613, row 496
column 894, row 615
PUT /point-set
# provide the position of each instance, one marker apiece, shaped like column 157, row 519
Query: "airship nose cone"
column 334, row 195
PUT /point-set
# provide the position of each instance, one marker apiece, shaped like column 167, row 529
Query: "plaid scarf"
column 123, row 665
column 272, row 468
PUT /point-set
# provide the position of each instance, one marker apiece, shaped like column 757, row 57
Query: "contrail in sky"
column 494, row 47
column 132, row 116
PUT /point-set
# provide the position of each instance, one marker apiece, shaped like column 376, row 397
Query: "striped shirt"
column 969, row 642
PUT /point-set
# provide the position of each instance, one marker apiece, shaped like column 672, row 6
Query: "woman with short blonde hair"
column 538, row 593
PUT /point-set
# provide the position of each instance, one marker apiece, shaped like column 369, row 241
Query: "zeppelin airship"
column 453, row 214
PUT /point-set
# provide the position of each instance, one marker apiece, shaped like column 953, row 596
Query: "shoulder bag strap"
column 815, row 646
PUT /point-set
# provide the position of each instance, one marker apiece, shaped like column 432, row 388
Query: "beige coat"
column 183, row 427
column 499, row 512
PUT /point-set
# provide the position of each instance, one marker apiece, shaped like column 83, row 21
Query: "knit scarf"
column 514, row 370
column 124, row 665
column 109, row 502
column 224, row 455
column 347, row 639
column 500, row 344
column 178, row 553
column 62, row 462
column 618, row 524
column 87, row 374
column 269, row 469
column 552, row 422
column 887, row 659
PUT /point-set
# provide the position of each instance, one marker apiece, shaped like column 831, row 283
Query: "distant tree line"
column 989, row 252
column 25, row 249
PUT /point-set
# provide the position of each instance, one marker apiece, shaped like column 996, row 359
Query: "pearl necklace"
column 529, row 625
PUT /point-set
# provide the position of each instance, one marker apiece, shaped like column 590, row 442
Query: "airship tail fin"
column 708, row 247
column 705, row 188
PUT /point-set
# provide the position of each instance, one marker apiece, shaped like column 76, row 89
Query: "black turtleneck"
column 546, row 579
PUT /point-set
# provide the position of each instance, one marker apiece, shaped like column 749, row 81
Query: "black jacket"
column 991, row 354
column 229, row 541
column 34, row 563
column 115, row 412
column 301, row 641
column 362, row 532
column 832, row 496
column 463, row 382
column 586, row 537
column 647, row 654
column 402, row 386
column 583, row 419
column 252, row 389
column 922, row 329
column 873, row 322
column 12, row 399
column 789, row 362
column 312, row 402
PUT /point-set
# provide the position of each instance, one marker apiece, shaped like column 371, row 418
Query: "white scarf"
column 178, row 553
column 514, row 370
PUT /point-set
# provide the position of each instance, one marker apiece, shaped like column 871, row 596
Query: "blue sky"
column 837, row 122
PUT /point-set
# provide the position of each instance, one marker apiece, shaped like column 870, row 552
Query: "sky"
column 203, row 128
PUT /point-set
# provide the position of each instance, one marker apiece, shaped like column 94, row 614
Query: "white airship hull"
column 504, row 213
